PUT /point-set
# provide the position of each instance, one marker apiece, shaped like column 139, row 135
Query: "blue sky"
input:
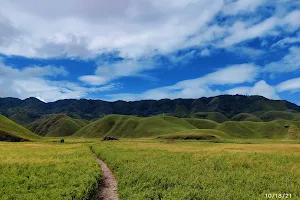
column 149, row 49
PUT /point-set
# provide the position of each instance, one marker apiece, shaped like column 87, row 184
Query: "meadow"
column 166, row 169
column 47, row 171
column 151, row 168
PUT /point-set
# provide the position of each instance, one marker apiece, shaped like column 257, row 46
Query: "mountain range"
column 221, row 117
column 219, row 108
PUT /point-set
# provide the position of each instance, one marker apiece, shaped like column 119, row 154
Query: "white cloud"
column 291, row 85
column 31, row 71
column 246, row 51
column 241, row 31
column 289, row 63
column 234, row 74
column 263, row 89
column 241, row 6
column 110, row 72
column 44, row 71
column 293, row 18
column 33, row 82
column 238, row 90
column 198, row 87
column 80, row 28
column 287, row 41
column 135, row 28
column 260, row 88
column 205, row 52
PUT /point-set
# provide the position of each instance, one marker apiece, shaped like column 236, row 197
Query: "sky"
column 149, row 49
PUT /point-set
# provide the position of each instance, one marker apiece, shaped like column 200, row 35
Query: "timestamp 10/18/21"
column 278, row 196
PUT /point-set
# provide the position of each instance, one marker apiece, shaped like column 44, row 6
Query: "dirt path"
column 108, row 183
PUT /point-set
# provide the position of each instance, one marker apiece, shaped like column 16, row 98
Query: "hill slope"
column 56, row 125
column 129, row 126
column 10, row 131
column 246, row 117
column 214, row 116
column 220, row 108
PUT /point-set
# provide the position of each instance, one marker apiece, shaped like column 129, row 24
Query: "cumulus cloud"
column 260, row 88
column 134, row 28
column 264, row 89
column 109, row 72
column 198, row 87
column 88, row 28
column 33, row 82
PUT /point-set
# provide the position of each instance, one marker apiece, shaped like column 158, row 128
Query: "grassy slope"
column 129, row 126
column 20, row 119
column 214, row 116
column 10, row 128
column 56, row 125
column 246, row 117
column 275, row 115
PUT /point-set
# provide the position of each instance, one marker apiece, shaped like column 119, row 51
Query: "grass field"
column 151, row 168
column 47, row 171
column 202, row 170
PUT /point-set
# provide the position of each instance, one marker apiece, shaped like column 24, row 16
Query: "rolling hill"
column 275, row 115
column 214, row 116
column 56, row 125
column 219, row 108
column 10, row 131
column 246, row 117
column 135, row 127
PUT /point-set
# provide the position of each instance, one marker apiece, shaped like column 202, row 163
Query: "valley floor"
column 151, row 169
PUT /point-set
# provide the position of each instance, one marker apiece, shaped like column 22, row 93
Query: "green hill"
column 246, row 117
column 135, row 127
column 214, row 116
column 10, row 131
column 20, row 118
column 274, row 115
column 219, row 108
column 56, row 125
column 131, row 126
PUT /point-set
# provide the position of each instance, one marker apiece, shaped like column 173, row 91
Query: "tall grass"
column 47, row 171
column 193, row 170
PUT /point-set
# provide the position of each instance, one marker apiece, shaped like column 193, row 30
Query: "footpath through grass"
column 47, row 171
column 199, row 170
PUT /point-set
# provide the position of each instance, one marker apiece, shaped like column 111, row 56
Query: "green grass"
column 11, row 130
column 56, row 125
column 200, row 170
column 47, row 171
column 203, row 134
column 135, row 127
